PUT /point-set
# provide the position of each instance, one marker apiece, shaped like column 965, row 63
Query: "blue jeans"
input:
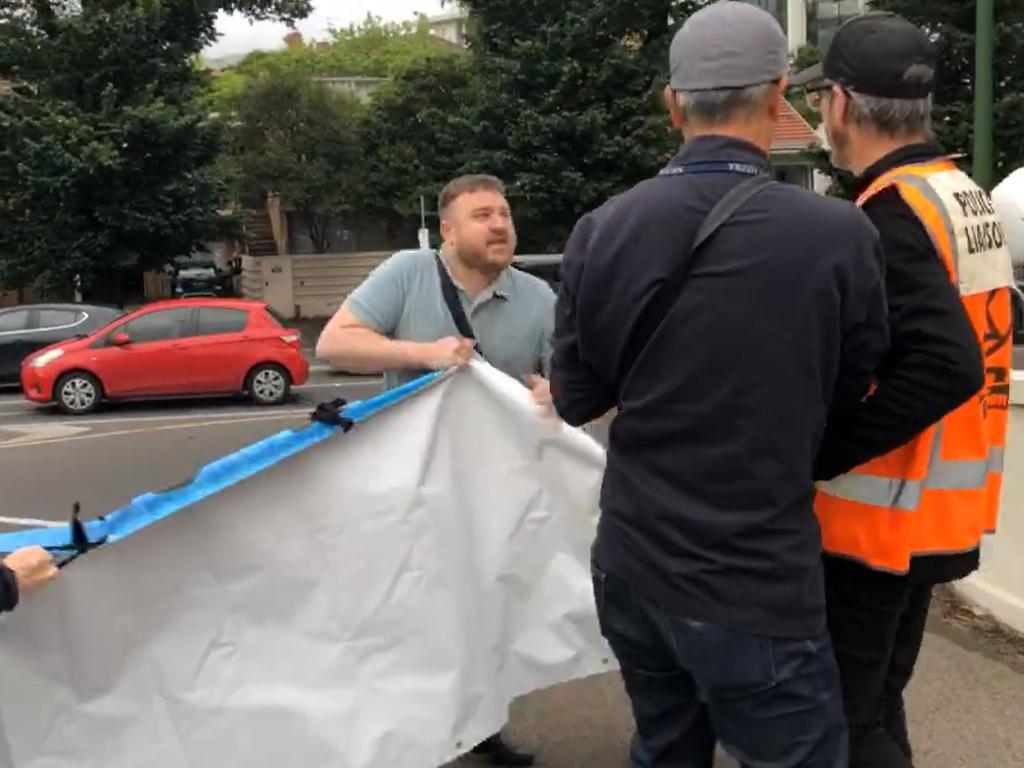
column 771, row 702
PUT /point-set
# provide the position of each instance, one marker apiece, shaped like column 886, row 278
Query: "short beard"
column 478, row 262
column 839, row 141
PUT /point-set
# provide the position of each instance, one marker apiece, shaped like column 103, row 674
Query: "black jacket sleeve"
column 8, row 589
column 578, row 393
column 934, row 363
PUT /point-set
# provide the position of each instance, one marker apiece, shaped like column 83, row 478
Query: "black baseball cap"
column 877, row 54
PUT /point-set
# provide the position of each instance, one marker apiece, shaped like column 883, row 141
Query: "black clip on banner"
column 79, row 539
column 330, row 413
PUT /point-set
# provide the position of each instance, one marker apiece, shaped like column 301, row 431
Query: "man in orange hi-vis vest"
column 911, row 476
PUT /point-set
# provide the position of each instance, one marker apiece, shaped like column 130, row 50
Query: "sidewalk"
column 965, row 707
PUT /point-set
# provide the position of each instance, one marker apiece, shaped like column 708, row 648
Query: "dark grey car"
column 28, row 327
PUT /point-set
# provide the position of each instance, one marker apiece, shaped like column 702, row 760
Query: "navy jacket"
column 707, row 502
column 8, row 589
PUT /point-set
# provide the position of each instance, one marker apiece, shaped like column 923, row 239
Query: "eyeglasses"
column 815, row 97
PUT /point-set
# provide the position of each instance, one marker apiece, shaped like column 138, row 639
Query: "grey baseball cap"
column 728, row 44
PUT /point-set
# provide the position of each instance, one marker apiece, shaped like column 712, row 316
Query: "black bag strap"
column 653, row 315
column 451, row 298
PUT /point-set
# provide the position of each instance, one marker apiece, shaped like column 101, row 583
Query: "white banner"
column 375, row 600
column 1008, row 200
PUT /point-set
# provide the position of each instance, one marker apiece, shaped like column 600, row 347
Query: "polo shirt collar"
column 501, row 288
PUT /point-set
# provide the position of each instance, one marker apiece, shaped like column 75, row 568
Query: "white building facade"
column 812, row 21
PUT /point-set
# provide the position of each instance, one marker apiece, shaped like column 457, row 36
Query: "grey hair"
column 897, row 118
column 721, row 105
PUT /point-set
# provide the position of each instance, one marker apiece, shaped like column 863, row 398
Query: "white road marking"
column 206, row 422
column 194, row 413
column 329, row 384
column 41, row 431
column 28, row 522
column 248, row 413
column 21, row 403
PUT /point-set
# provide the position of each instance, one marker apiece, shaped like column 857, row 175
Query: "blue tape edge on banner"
column 148, row 508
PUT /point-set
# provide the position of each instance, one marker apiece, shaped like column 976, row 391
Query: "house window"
column 799, row 175
column 824, row 17
column 776, row 8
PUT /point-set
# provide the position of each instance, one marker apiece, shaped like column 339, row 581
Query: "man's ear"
column 446, row 229
column 672, row 105
column 778, row 94
column 839, row 100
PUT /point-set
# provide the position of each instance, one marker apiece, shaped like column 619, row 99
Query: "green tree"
column 951, row 22
column 105, row 154
column 378, row 49
column 570, row 109
column 372, row 48
column 807, row 56
column 418, row 134
column 297, row 138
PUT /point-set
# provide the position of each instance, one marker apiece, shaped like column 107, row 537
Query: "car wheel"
column 268, row 384
column 78, row 393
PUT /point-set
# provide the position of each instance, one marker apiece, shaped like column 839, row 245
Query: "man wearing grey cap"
column 932, row 434
column 723, row 315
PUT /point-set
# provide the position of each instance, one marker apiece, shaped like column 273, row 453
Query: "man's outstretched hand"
column 32, row 567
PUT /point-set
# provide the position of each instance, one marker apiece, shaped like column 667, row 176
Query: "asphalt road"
column 48, row 460
column 965, row 702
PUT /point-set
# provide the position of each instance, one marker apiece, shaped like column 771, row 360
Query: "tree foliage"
column 105, row 153
column 292, row 136
column 570, row 110
column 418, row 134
column 952, row 22
column 371, row 49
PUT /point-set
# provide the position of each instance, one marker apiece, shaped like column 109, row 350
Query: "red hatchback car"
column 171, row 348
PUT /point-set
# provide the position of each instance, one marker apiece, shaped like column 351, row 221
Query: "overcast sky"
column 239, row 35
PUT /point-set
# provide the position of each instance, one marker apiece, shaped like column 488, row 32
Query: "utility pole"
column 984, row 98
column 424, row 233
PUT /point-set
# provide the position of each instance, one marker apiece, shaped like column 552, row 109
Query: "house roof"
column 793, row 132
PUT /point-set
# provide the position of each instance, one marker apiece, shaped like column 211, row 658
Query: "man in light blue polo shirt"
column 398, row 321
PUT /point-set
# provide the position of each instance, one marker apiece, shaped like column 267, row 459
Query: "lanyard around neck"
column 714, row 166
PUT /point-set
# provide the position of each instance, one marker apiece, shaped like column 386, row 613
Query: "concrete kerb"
column 998, row 588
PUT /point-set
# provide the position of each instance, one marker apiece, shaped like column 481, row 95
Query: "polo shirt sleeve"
column 380, row 298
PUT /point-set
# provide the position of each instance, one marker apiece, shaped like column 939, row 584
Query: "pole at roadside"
column 984, row 98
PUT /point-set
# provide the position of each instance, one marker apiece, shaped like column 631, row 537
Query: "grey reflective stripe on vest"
column 905, row 495
column 926, row 189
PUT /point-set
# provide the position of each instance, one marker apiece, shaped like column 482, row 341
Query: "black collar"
column 908, row 155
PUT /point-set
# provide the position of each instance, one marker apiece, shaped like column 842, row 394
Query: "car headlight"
column 47, row 357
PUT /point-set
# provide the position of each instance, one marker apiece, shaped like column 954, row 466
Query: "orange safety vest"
column 939, row 493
